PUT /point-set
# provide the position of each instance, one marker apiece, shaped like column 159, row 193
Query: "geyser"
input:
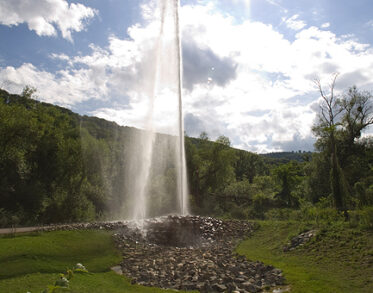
column 156, row 165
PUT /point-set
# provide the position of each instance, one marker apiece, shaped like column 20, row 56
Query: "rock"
column 219, row 288
column 117, row 270
column 299, row 240
column 187, row 253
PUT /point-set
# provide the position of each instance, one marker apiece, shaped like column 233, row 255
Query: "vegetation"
column 339, row 259
column 58, row 166
column 32, row 262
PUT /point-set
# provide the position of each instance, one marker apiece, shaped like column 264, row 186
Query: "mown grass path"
column 339, row 259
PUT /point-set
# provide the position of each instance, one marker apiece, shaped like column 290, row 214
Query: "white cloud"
column 264, row 104
column 65, row 88
column 325, row 25
column 44, row 16
column 294, row 22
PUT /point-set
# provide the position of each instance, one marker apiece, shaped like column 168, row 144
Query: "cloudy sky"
column 248, row 65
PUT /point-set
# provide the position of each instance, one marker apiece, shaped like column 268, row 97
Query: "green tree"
column 28, row 92
column 288, row 176
column 326, row 130
column 341, row 121
column 248, row 165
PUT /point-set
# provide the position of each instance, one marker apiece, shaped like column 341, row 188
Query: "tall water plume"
column 156, row 165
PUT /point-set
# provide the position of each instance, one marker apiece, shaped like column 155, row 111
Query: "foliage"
column 367, row 218
column 57, row 166
column 340, row 124
column 28, row 91
column 289, row 176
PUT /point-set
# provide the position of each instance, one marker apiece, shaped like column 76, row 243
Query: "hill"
column 59, row 166
column 285, row 157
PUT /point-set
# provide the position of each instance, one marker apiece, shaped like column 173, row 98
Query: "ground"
column 338, row 259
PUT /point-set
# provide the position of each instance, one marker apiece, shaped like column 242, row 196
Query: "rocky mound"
column 186, row 253
column 192, row 253
column 299, row 240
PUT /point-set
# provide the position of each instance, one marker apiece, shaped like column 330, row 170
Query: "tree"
column 204, row 136
column 357, row 113
column 28, row 91
column 248, row 165
column 341, row 121
column 288, row 177
column 326, row 129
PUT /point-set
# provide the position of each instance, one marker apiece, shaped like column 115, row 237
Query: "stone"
column 187, row 253
column 299, row 240
column 117, row 270
column 219, row 287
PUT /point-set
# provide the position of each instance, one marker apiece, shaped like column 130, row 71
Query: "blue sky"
column 249, row 65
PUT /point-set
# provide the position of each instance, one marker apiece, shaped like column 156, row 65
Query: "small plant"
column 63, row 282
column 80, row 268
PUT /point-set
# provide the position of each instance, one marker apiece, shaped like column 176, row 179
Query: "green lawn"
column 32, row 261
column 340, row 259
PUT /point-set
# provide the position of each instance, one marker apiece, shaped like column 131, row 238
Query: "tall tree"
column 341, row 121
column 326, row 130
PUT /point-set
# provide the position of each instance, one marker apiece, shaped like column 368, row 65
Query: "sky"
column 248, row 65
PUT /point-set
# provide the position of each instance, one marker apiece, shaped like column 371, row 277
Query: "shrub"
column 4, row 219
column 282, row 214
column 238, row 213
column 366, row 218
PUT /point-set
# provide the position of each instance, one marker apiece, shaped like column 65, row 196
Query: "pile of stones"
column 186, row 253
column 86, row 226
column 299, row 240
column 192, row 253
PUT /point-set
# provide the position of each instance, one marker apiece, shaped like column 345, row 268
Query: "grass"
column 106, row 282
column 339, row 259
column 55, row 251
column 30, row 262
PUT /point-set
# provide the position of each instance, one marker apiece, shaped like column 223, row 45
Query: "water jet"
column 162, row 85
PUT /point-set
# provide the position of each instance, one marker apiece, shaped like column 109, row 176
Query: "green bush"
column 366, row 218
column 282, row 214
column 238, row 213
column 261, row 203
column 354, row 218
column 4, row 219
column 321, row 215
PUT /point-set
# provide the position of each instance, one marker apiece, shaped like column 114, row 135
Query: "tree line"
column 58, row 166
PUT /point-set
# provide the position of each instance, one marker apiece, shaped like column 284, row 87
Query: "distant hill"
column 285, row 157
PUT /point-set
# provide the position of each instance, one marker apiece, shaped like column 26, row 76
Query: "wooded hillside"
column 58, row 166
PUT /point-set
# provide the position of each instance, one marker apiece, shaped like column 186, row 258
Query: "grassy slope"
column 340, row 259
column 32, row 261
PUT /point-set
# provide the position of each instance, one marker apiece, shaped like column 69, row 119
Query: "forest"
column 57, row 166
